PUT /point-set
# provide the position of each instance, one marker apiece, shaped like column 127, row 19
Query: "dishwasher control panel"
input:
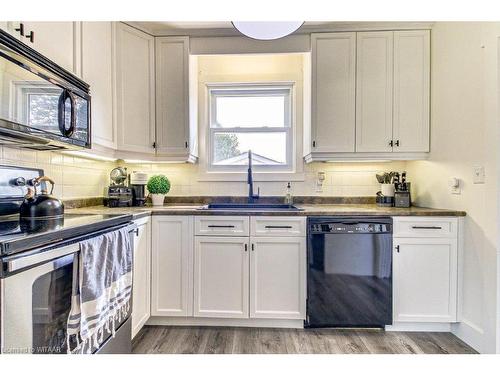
column 350, row 227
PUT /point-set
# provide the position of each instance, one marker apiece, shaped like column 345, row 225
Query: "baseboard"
column 419, row 327
column 472, row 335
column 220, row 322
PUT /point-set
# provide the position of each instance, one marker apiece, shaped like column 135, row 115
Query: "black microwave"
column 42, row 105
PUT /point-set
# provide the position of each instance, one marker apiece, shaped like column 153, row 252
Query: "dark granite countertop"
column 307, row 210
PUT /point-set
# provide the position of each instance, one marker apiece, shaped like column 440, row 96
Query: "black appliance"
column 119, row 196
column 138, row 182
column 44, row 107
column 349, row 276
column 36, row 271
column 40, row 206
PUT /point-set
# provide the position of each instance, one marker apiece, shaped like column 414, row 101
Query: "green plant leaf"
column 158, row 184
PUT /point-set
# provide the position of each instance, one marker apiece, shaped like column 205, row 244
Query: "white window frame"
column 234, row 89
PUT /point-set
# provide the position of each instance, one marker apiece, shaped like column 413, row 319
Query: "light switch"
column 479, row 175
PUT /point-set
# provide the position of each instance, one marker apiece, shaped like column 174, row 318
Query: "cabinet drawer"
column 278, row 226
column 221, row 226
column 425, row 227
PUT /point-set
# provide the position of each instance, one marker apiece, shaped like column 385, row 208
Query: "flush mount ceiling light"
column 267, row 30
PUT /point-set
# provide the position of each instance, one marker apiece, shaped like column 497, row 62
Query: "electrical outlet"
column 319, row 182
column 454, row 184
column 479, row 175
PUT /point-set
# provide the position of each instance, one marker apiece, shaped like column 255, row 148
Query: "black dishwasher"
column 349, row 276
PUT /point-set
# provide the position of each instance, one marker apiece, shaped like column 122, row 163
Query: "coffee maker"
column 119, row 195
column 138, row 181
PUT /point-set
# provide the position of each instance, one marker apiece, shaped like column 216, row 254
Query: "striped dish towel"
column 102, row 286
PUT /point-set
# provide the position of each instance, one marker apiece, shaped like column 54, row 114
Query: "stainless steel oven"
column 35, row 300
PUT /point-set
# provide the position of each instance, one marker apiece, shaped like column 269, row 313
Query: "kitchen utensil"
column 44, row 205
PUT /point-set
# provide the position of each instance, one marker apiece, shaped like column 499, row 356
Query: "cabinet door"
column 411, row 90
column 425, row 280
column 172, row 95
column 278, row 277
column 135, row 106
column 333, row 92
column 10, row 27
column 172, row 265
column 97, row 70
column 141, row 299
column 57, row 41
column 374, row 91
column 221, row 277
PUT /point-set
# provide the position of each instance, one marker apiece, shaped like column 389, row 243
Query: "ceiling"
column 225, row 28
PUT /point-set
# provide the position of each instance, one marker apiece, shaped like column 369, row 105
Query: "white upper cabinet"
column 135, row 91
column 333, row 92
column 411, row 90
column 97, row 70
column 175, row 115
column 374, row 91
column 369, row 96
column 59, row 41
column 11, row 27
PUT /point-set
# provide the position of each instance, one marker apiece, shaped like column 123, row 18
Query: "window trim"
column 237, row 89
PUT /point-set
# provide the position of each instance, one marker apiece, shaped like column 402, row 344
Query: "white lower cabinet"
column 278, row 277
column 221, row 277
column 425, row 279
column 172, row 266
column 251, row 276
column 141, row 275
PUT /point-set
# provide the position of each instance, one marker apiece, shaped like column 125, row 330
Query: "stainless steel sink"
column 250, row 207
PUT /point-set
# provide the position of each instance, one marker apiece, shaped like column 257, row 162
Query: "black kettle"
column 41, row 206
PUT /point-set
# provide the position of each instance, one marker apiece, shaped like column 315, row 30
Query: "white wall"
column 464, row 133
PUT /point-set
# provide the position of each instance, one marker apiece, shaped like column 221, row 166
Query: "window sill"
column 257, row 176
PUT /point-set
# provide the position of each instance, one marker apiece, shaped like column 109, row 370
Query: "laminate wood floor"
column 228, row 340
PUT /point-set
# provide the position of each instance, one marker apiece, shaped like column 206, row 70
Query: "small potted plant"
column 158, row 187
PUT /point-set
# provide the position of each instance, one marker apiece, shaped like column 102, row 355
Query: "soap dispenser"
column 288, row 195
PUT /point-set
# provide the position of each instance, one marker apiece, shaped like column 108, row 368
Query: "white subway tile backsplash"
column 74, row 177
column 77, row 177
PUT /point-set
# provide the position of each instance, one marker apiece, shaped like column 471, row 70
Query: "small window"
column 250, row 118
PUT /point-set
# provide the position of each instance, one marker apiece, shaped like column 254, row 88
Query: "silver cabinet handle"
column 428, row 227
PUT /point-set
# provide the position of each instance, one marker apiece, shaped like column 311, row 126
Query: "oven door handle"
column 31, row 260
column 19, row 261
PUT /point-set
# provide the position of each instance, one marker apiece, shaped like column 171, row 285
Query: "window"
column 256, row 118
